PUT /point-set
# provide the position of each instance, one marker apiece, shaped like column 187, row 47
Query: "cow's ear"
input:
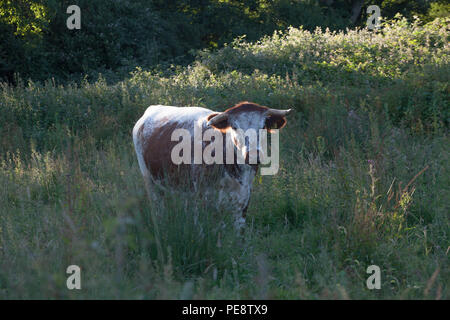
column 275, row 122
column 221, row 125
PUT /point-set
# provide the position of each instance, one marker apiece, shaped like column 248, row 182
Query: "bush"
column 116, row 36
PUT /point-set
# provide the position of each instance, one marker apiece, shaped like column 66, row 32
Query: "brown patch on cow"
column 222, row 126
column 212, row 115
column 275, row 122
column 157, row 150
column 141, row 128
column 246, row 106
column 272, row 122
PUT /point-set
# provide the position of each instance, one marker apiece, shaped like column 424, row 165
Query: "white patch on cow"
column 213, row 152
column 248, row 123
column 157, row 115
column 138, row 147
column 236, row 193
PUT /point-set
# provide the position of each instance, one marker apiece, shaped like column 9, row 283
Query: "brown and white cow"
column 153, row 137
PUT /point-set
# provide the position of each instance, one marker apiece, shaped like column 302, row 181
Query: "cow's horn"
column 220, row 117
column 275, row 112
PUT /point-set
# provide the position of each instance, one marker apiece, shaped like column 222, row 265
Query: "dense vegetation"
column 118, row 35
column 364, row 175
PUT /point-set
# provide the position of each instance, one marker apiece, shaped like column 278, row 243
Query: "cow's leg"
column 240, row 218
column 244, row 212
column 239, row 222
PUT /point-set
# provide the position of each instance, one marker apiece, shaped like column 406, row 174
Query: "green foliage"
column 408, row 57
column 117, row 36
column 438, row 10
column 29, row 18
column 363, row 176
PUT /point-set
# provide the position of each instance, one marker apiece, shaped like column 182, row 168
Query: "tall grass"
column 363, row 179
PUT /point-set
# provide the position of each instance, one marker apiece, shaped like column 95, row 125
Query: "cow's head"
column 245, row 119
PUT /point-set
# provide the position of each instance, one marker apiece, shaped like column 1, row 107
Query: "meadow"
column 364, row 176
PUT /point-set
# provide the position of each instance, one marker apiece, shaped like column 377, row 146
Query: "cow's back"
column 152, row 136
